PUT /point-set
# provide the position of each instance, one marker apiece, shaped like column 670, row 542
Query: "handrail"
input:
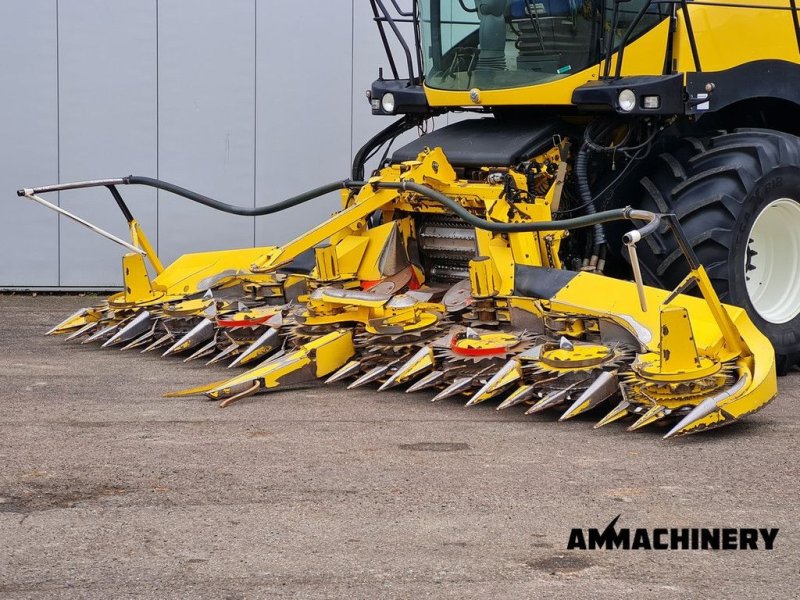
column 383, row 16
column 683, row 4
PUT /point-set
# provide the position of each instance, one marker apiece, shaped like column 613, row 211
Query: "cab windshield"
column 495, row 44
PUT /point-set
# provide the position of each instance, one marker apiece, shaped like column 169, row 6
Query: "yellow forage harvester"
column 567, row 251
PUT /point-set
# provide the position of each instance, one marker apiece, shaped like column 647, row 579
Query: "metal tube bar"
column 683, row 242
column 627, row 37
column 75, row 185
column 610, row 41
column 795, row 21
column 690, row 32
column 637, row 276
column 121, row 203
column 418, row 39
column 85, row 223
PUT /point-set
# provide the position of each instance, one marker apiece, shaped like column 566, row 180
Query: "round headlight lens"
column 387, row 102
column 627, row 100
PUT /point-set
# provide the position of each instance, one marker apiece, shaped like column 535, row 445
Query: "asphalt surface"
column 109, row 490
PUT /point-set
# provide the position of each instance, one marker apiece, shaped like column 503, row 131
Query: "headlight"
column 387, row 102
column 627, row 100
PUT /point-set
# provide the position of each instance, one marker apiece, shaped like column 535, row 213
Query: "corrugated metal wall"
column 248, row 101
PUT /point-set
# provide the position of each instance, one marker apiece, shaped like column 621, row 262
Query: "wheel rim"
column 772, row 262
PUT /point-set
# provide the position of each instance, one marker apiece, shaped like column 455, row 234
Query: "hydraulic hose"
column 238, row 210
column 535, row 227
column 408, row 186
column 389, row 133
column 582, row 173
column 194, row 196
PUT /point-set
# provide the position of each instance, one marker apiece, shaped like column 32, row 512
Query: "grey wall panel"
column 206, row 120
column 303, row 110
column 29, row 147
column 242, row 100
column 107, row 96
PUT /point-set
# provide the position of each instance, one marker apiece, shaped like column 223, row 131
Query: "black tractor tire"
column 718, row 186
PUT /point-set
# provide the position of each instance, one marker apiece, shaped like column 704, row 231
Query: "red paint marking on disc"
column 243, row 323
column 474, row 351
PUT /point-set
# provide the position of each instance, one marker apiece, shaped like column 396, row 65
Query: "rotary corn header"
column 565, row 253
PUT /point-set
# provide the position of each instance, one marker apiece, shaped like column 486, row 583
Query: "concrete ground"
column 108, row 490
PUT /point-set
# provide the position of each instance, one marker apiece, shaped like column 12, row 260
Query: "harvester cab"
column 476, row 261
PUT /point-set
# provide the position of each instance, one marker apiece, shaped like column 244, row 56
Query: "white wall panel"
column 303, row 103
column 206, row 117
column 28, row 141
column 107, row 98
